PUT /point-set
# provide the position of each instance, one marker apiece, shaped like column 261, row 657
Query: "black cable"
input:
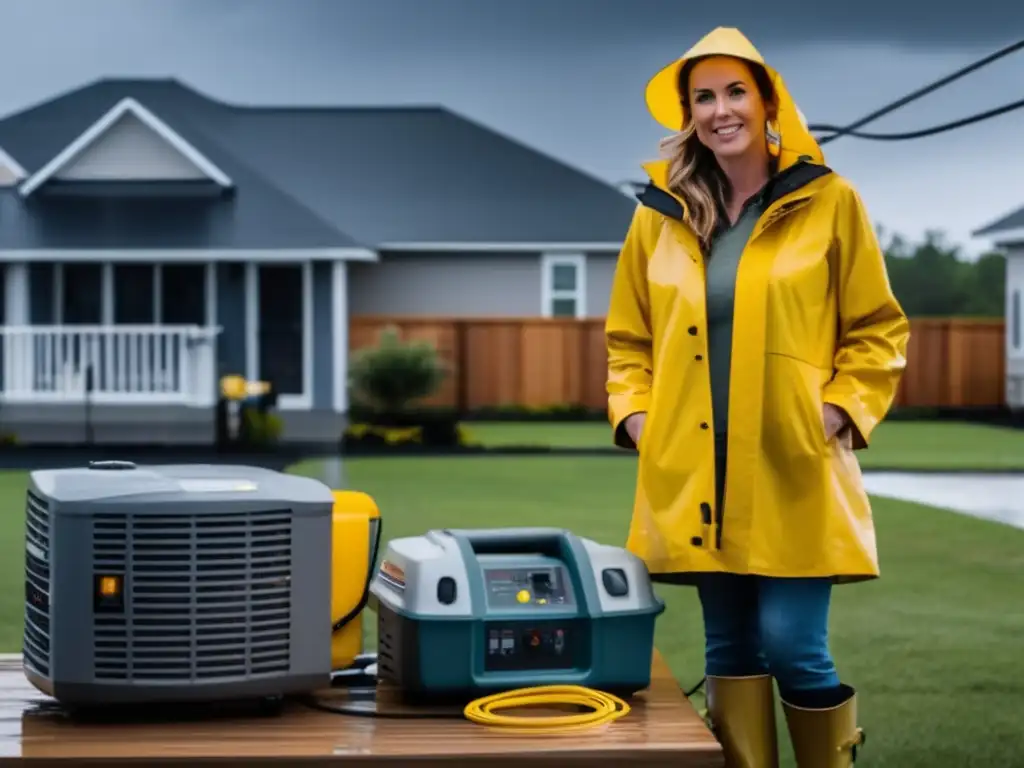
column 849, row 129
column 695, row 688
column 977, row 118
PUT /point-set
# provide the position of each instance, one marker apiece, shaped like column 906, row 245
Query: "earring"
column 774, row 138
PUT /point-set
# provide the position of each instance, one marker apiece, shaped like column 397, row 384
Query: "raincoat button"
column 703, row 425
column 699, row 357
column 693, row 330
column 697, row 541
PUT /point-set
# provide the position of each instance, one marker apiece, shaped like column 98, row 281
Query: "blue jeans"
column 759, row 625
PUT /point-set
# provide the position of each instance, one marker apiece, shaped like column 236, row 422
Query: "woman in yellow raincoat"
column 752, row 322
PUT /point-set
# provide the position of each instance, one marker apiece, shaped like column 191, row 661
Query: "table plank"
column 663, row 729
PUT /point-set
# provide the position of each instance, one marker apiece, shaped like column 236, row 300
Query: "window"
column 81, row 294
column 183, row 294
column 131, row 294
column 563, row 285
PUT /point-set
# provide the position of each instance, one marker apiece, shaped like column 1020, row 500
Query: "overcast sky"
column 567, row 76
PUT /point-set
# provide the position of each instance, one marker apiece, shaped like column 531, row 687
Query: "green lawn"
column 895, row 444
column 934, row 646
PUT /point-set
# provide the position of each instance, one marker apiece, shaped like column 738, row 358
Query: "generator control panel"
column 532, row 641
column 536, row 587
column 533, row 645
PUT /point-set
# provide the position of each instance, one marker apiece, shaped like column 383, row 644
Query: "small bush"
column 260, row 428
column 390, row 376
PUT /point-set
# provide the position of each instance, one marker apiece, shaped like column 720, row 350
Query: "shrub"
column 390, row 376
column 260, row 428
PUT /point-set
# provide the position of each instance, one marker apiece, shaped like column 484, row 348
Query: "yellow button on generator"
column 523, row 596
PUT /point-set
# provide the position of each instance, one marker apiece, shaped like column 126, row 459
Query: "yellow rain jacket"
column 816, row 322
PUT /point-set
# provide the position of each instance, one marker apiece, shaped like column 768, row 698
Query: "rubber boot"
column 826, row 737
column 742, row 715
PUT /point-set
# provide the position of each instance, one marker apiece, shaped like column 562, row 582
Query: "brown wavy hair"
column 693, row 173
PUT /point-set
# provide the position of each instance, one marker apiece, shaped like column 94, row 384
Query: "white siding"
column 130, row 150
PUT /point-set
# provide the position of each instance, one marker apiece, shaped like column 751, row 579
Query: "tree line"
column 931, row 279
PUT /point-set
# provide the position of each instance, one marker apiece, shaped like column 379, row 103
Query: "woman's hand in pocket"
column 635, row 426
column 835, row 419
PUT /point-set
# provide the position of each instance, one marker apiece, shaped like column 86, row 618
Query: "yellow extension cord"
column 605, row 707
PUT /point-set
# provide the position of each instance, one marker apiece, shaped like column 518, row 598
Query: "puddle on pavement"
column 993, row 497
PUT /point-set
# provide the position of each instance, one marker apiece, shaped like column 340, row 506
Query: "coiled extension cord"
column 605, row 708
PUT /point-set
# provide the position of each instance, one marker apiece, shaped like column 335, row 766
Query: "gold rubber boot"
column 825, row 738
column 742, row 715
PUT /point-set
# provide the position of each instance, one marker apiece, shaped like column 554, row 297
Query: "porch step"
column 71, row 424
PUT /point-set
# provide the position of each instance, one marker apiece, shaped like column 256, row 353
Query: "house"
column 1007, row 234
column 153, row 239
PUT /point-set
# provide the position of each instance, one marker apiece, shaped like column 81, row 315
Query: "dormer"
column 129, row 144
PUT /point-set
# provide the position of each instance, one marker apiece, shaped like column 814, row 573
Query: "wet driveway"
column 992, row 497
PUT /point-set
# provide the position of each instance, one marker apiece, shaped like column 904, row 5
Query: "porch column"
column 19, row 349
column 17, row 298
column 339, row 333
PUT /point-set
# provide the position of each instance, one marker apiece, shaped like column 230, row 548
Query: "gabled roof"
column 1007, row 229
column 377, row 177
column 125, row 107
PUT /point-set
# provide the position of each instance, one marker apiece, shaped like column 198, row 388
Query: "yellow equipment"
column 355, row 532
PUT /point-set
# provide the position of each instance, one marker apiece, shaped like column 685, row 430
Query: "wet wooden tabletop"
column 663, row 729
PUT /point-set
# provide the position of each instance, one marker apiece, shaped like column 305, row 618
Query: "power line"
column 977, row 118
column 850, row 130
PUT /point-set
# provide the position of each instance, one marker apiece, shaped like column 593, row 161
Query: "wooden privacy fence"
column 537, row 363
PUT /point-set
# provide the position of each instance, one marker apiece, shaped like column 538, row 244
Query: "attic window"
column 129, row 143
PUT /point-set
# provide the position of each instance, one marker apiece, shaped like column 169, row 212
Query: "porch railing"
column 110, row 364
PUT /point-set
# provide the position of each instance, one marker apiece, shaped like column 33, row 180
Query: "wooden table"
column 663, row 729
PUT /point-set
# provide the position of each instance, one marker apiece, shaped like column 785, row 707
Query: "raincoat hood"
column 667, row 105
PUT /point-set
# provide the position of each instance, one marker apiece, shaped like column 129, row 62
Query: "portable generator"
column 191, row 582
column 466, row 613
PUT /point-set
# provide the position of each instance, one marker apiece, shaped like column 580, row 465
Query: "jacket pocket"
column 794, row 424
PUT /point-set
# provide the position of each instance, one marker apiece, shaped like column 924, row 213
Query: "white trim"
column 101, row 126
column 14, row 166
column 513, row 247
column 1006, row 238
column 548, row 261
column 275, row 255
column 303, row 402
column 339, row 334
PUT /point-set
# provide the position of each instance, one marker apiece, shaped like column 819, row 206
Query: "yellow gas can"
column 356, row 533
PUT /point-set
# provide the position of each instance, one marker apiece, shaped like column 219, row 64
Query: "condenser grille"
column 36, row 640
column 207, row 596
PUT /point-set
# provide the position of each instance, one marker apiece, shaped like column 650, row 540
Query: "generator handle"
column 546, row 541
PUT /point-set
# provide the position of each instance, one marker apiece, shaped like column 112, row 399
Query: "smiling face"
column 728, row 107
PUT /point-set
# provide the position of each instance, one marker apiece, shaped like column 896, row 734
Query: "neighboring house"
column 1007, row 234
column 153, row 239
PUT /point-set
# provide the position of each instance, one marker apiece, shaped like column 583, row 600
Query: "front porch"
column 97, row 348
column 109, row 364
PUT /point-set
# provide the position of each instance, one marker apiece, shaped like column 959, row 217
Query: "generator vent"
column 206, row 596
column 36, row 639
